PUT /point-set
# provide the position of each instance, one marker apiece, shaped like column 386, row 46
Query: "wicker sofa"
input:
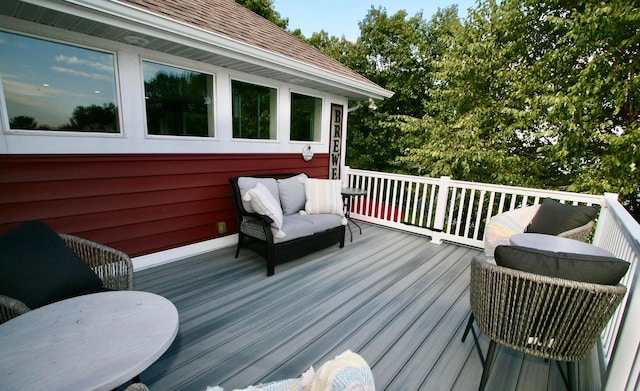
column 299, row 233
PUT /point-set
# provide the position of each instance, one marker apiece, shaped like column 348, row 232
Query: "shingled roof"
column 231, row 20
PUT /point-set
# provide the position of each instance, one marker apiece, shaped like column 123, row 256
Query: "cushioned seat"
column 286, row 216
column 545, row 315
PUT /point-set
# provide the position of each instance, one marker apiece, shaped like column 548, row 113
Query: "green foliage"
column 521, row 92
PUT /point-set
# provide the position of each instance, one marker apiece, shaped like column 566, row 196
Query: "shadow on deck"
column 395, row 298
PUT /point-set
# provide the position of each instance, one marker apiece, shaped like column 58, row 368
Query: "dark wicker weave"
column 112, row 266
column 544, row 316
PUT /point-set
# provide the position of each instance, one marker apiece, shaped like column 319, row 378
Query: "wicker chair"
column 503, row 225
column 112, row 266
column 547, row 317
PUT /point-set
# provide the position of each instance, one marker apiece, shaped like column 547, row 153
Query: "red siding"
column 137, row 203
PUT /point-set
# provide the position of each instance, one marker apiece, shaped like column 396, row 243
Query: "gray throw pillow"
column 292, row 195
column 554, row 218
column 576, row 267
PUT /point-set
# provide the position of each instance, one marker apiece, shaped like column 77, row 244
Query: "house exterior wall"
column 137, row 203
column 135, row 192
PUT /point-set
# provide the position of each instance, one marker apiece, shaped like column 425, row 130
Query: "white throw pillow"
column 263, row 202
column 324, row 196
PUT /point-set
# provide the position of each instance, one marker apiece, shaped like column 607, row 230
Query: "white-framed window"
column 51, row 86
column 306, row 117
column 254, row 111
column 178, row 101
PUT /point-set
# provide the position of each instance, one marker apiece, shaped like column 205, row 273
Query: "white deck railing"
column 457, row 211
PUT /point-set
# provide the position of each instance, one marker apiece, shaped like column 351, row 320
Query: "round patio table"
column 94, row 342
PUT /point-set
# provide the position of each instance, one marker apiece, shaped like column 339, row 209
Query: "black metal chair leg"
column 476, row 341
column 491, row 355
column 468, row 328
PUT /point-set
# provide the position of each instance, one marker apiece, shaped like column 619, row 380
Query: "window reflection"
column 54, row 86
column 178, row 101
column 305, row 117
column 254, row 109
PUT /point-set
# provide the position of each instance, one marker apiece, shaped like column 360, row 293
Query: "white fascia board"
column 144, row 22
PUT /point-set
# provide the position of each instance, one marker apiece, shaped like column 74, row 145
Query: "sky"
column 339, row 17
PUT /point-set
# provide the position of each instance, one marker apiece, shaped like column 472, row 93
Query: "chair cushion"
column 38, row 268
column 323, row 196
column 246, row 183
column 263, row 202
column 347, row 372
column 576, row 267
column 554, row 218
column 503, row 225
column 292, row 195
column 296, row 226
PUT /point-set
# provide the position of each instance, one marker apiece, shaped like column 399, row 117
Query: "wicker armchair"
column 501, row 226
column 544, row 316
column 112, row 266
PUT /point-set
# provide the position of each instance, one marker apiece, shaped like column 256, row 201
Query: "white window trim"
column 323, row 122
column 278, row 109
column 188, row 66
column 6, row 127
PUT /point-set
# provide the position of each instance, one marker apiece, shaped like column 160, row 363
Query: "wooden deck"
column 395, row 298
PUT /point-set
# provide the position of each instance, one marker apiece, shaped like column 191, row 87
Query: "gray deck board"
column 395, row 298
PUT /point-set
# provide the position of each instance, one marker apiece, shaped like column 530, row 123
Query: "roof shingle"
column 229, row 19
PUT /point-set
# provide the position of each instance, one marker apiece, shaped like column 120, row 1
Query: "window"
column 306, row 113
column 178, row 101
column 254, row 111
column 57, row 87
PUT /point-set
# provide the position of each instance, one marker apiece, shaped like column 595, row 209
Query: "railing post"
column 345, row 178
column 441, row 209
column 604, row 215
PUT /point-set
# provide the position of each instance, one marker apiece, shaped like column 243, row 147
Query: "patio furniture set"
column 535, row 290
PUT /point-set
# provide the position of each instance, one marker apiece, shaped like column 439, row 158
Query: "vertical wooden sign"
column 335, row 146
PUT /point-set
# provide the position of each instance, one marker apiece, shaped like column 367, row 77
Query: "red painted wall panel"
column 136, row 203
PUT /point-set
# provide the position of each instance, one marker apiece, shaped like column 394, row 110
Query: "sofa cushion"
column 323, row 196
column 292, row 194
column 38, row 268
column 263, row 202
column 576, row 267
column 296, row 226
column 554, row 218
column 246, row 183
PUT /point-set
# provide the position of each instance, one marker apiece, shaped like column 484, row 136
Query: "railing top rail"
column 386, row 175
column 542, row 193
column 516, row 190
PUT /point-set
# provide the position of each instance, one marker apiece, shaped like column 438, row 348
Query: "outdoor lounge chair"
column 550, row 217
column 544, row 316
column 113, row 268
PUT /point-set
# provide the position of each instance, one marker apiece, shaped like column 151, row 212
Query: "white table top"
column 92, row 342
column 556, row 244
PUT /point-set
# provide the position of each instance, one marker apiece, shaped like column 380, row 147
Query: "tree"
column 542, row 94
column 265, row 9
column 399, row 53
